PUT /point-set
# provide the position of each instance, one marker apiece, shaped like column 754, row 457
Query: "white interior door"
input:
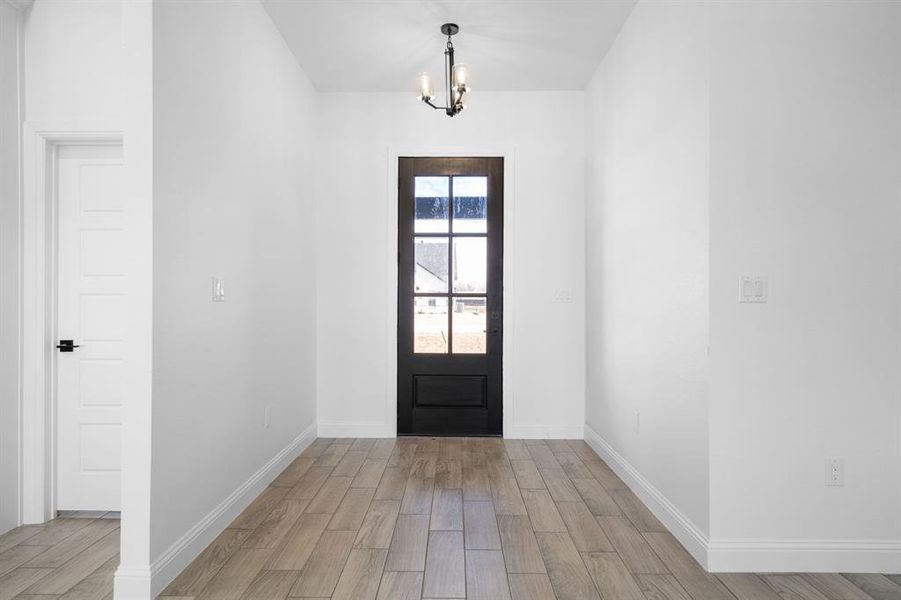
column 91, row 312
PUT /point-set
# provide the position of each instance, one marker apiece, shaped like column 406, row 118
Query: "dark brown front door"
column 450, row 296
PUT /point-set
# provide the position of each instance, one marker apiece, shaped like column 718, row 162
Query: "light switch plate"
column 563, row 297
column 218, row 289
column 753, row 289
column 835, row 472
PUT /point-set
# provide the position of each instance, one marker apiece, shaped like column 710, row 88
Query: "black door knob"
column 67, row 345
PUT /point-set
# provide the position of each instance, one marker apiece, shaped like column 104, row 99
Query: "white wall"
column 73, row 60
column 232, row 130
column 544, row 366
column 647, row 243
column 805, row 136
column 783, row 120
column 9, row 266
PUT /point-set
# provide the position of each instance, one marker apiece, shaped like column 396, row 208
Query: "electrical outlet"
column 835, row 472
column 267, row 417
column 636, row 426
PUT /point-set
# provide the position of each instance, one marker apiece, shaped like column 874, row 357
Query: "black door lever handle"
column 67, row 345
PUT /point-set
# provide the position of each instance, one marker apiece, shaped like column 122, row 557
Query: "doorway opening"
column 74, row 260
column 450, row 296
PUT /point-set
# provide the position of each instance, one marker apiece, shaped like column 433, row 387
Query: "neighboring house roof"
column 431, row 264
column 428, row 279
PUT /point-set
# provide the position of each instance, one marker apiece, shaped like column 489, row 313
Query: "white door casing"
column 91, row 311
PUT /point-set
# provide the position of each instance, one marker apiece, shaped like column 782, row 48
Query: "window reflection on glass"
column 469, row 326
column 470, row 264
column 429, row 325
column 431, row 205
column 470, row 204
column 430, row 264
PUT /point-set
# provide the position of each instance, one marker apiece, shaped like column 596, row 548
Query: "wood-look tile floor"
column 66, row 558
column 425, row 518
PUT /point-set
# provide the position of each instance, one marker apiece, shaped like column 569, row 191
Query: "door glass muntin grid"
column 466, row 303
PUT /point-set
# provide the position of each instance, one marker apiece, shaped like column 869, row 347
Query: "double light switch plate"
column 753, row 289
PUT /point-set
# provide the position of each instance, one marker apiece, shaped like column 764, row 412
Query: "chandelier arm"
column 429, row 102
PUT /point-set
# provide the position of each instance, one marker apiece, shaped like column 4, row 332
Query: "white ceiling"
column 380, row 46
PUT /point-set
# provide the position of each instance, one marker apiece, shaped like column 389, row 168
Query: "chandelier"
column 456, row 79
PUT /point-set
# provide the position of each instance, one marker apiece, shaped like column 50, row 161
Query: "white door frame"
column 41, row 142
column 507, row 363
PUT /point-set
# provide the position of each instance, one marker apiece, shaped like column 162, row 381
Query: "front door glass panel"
column 455, row 265
column 431, row 206
column 470, row 265
column 468, row 322
column 430, row 333
column 431, row 267
column 470, row 204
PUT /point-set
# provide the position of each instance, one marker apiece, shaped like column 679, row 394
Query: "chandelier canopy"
column 456, row 78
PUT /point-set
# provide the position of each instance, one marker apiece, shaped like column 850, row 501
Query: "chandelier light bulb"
column 461, row 77
column 424, row 87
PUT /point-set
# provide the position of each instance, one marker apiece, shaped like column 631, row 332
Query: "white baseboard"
column 748, row 555
column 355, row 429
column 689, row 535
column 543, row 432
column 132, row 584
column 146, row 583
column 804, row 556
